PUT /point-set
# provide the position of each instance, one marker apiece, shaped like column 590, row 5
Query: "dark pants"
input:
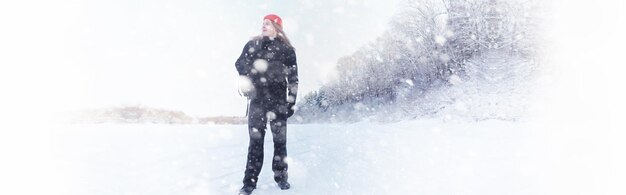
column 258, row 115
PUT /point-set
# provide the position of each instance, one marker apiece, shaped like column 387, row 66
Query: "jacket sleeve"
column 244, row 62
column 292, row 77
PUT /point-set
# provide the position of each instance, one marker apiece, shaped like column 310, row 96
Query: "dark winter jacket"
column 271, row 66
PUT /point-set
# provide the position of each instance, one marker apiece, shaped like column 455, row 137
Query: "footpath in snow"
column 412, row 157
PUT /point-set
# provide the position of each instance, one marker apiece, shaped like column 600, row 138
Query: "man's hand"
column 290, row 109
column 245, row 86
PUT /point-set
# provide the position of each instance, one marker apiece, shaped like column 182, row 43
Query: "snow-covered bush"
column 429, row 45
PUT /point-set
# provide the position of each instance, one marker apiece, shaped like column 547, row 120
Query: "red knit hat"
column 274, row 18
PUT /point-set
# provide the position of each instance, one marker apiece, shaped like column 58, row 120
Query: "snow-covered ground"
column 411, row 157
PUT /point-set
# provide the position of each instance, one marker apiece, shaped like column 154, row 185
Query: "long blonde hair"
column 280, row 34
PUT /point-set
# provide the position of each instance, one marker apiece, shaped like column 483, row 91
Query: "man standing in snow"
column 269, row 78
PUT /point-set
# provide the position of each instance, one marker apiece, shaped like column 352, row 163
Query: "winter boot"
column 246, row 190
column 284, row 185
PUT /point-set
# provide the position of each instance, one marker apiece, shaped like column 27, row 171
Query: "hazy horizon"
column 180, row 55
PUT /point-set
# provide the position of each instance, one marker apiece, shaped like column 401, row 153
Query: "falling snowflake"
column 440, row 40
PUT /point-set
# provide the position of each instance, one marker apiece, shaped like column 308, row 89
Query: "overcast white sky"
column 180, row 54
